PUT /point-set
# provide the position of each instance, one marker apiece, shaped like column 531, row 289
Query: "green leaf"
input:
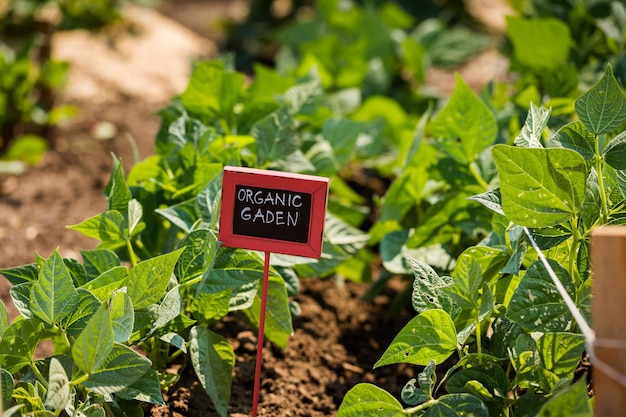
column 20, row 295
column 540, row 43
column 603, row 108
column 4, row 318
column 536, row 304
column 414, row 395
column 275, row 137
column 540, row 187
column 465, row 127
column 135, row 212
column 278, row 326
column 200, row 250
column 98, row 261
column 570, row 402
column 106, row 227
column 536, row 121
column 117, row 192
column 209, row 202
column 58, row 394
column 170, row 308
column 6, row 389
column 592, row 205
column 342, row 136
column 577, row 137
column 18, row 344
column 211, row 306
column 489, row 375
column 86, row 306
column 430, row 335
column 21, row 274
column 107, row 283
column 146, row 389
column 52, row 297
column 466, row 282
column 122, row 368
column 615, row 152
column 457, row 405
column 561, row 352
column 122, row 317
column 148, row 280
column 367, row 400
column 183, row 215
column 93, row 345
column 428, row 288
column 212, row 90
column 404, row 193
column 213, row 360
column 491, row 199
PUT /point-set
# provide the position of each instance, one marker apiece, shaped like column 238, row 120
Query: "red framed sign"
column 273, row 211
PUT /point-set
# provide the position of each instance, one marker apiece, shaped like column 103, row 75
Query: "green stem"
column 131, row 253
column 599, row 162
column 573, row 253
column 38, row 374
column 479, row 348
column 80, row 380
column 418, row 408
column 476, row 174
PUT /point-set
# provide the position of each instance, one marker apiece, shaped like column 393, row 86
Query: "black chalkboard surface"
column 272, row 213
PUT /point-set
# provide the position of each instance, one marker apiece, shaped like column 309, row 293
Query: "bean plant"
column 497, row 328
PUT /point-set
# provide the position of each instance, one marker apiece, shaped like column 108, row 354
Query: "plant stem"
column 422, row 406
column 479, row 348
column 80, row 380
column 476, row 174
column 38, row 374
column 131, row 253
column 573, row 252
column 599, row 162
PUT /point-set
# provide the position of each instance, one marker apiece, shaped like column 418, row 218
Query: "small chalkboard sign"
column 273, row 211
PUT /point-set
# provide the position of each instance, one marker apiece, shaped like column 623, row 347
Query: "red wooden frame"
column 316, row 186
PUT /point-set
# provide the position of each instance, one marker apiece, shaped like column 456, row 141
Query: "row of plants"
column 448, row 217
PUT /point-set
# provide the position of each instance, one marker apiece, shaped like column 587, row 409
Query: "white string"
column 588, row 333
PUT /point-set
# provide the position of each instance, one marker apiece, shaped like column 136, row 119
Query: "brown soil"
column 123, row 79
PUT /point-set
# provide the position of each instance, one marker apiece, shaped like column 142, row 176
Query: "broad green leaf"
column 53, row 297
column 404, row 193
column 540, row 43
column 213, row 360
column 278, row 326
column 20, row 295
column 570, row 402
column 457, row 405
column 209, row 201
column 505, row 333
column 428, row 288
column 183, row 215
column 342, row 135
column 121, row 369
column 148, row 280
column 93, row 345
column 135, row 212
column 21, row 274
column 236, row 270
column 561, row 352
column 536, row 121
column 536, row 304
column 615, row 152
column 491, row 199
column 540, row 187
column 211, row 306
column 275, row 136
column 58, row 394
column 367, row 400
column 18, row 344
column 577, row 137
column 212, row 89
column 200, row 250
column 146, row 389
column 603, row 107
column 430, row 335
column 107, row 283
column 98, row 261
column 85, row 307
column 414, row 395
column 170, row 308
column 116, row 191
column 6, row 389
column 592, row 205
column 122, row 317
column 465, row 127
column 549, row 237
column 106, row 227
column 466, row 282
column 490, row 375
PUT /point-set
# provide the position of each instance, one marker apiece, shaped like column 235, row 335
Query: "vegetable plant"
column 497, row 328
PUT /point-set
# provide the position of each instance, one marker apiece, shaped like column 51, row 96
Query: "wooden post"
column 608, row 255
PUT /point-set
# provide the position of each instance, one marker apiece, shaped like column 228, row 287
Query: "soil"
column 119, row 79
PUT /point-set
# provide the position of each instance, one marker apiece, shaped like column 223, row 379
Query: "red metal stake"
column 259, row 348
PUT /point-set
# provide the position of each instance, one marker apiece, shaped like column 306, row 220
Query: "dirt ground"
column 118, row 81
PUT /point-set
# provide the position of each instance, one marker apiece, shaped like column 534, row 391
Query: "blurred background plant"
column 30, row 78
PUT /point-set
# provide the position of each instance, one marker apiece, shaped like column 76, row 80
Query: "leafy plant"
column 516, row 342
column 159, row 275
